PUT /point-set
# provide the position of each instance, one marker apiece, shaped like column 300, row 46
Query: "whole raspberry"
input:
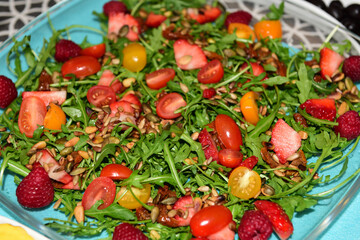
column 126, row 231
column 66, row 49
column 254, row 225
column 351, row 68
column 238, row 17
column 209, row 93
column 8, row 91
column 36, row 189
column 114, row 7
column 349, row 125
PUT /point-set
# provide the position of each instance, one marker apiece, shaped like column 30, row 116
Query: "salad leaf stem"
column 232, row 78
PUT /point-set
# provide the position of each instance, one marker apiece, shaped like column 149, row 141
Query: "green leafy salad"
column 185, row 122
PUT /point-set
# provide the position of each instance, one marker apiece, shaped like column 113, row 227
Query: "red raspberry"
column 126, row 231
column 66, row 49
column 114, row 7
column 254, row 225
column 250, row 162
column 8, row 91
column 351, row 68
column 349, row 125
column 209, row 93
column 238, row 17
column 36, row 189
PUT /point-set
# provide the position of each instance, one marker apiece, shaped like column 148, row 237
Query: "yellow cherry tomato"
column 249, row 107
column 242, row 31
column 134, row 57
column 54, row 117
column 128, row 201
column 244, row 183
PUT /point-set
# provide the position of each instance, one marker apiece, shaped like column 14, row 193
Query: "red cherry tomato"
column 101, row 95
column 228, row 132
column 210, row 220
column 101, row 188
column 116, row 172
column 159, row 78
column 32, row 114
column 230, row 158
column 96, row 51
column 212, row 72
column 81, row 66
column 168, row 104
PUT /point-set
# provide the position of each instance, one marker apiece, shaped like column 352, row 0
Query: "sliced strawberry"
column 154, row 20
column 208, row 14
column 107, row 79
column 71, row 185
column 55, row 171
column 57, row 97
column 187, row 204
column 121, row 107
column 329, row 61
column 118, row 20
column 250, row 162
column 212, row 13
column 278, row 218
column 132, row 98
column 194, row 14
column 320, row 108
column 188, row 56
column 285, row 140
column 224, row 234
column 208, row 145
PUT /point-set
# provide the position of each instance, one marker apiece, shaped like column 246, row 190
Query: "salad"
column 181, row 124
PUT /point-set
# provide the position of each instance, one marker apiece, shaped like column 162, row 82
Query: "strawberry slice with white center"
column 329, row 61
column 224, row 234
column 107, row 79
column 154, row 20
column 189, row 56
column 189, row 206
column 285, row 140
column 57, row 97
column 119, row 20
column 54, row 167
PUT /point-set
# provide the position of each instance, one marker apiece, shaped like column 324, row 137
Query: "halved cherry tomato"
column 97, row 51
column 159, row 78
column 230, row 158
column 122, row 107
column 249, row 107
column 134, row 57
column 81, row 66
column 212, row 72
column 244, row 183
column 228, row 131
column 168, row 104
column 210, row 220
column 32, row 114
column 115, row 172
column 268, row 28
column 242, row 31
column 101, row 95
column 128, row 200
column 101, row 188
column 54, row 118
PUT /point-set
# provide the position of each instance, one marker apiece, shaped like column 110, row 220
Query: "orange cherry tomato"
column 134, row 57
column 128, row 201
column 242, row 31
column 244, row 183
column 249, row 107
column 268, row 28
column 54, row 118
column 97, row 51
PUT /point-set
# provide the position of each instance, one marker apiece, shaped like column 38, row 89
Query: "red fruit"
column 126, row 231
column 208, row 145
column 278, row 218
column 8, row 91
column 208, row 14
column 114, row 7
column 320, row 108
column 131, row 98
column 349, row 125
column 35, row 190
column 186, row 204
column 250, row 162
column 351, row 68
column 55, row 171
column 71, row 185
column 189, row 56
column 224, row 234
column 238, row 17
column 57, row 97
column 121, row 107
column 118, row 20
column 209, row 93
column 154, row 20
column 212, row 13
column 107, row 79
column 254, row 225
column 285, row 140
column 66, row 49
column 329, row 62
